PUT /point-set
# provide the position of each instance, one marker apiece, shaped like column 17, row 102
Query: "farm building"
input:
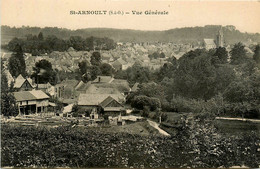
column 35, row 101
column 108, row 103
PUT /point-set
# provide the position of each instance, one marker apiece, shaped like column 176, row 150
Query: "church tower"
column 220, row 38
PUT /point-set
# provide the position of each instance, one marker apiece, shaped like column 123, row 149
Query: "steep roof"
column 30, row 95
column 19, row 81
column 108, row 100
column 209, row 42
column 71, row 49
column 82, row 86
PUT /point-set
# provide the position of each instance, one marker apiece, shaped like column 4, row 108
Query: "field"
column 235, row 127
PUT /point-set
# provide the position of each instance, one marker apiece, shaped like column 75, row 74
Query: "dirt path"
column 239, row 119
column 156, row 126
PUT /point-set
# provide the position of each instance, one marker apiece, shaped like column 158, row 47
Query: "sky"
column 244, row 15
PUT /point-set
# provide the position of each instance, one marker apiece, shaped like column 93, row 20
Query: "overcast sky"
column 244, row 15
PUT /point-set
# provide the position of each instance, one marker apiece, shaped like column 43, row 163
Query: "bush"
column 139, row 102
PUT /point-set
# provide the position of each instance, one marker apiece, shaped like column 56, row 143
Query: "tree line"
column 37, row 45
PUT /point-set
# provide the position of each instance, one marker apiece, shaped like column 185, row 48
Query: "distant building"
column 209, row 44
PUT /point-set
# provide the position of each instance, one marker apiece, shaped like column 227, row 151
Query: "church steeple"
column 220, row 38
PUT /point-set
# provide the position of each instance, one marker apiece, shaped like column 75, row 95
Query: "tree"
column 16, row 62
column 243, row 94
column 43, row 72
column 106, row 69
column 162, row 55
column 256, row 56
column 40, row 36
column 140, row 102
column 95, row 59
column 195, row 76
column 83, row 66
column 94, row 71
column 222, row 55
column 238, row 54
column 137, row 73
column 8, row 103
column 155, row 55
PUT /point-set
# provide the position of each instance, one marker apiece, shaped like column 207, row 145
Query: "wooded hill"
column 177, row 35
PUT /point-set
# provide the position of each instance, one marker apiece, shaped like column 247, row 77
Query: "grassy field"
column 137, row 128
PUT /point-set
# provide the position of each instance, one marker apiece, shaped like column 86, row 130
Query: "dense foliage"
column 16, row 63
column 199, row 77
column 43, row 72
column 196, row 145
column 40, row 45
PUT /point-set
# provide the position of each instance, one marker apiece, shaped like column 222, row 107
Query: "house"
column 22, row 84
column 65, row 91
column 35, row 101
column 108, row 103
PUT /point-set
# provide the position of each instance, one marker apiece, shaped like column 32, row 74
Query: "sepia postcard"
column 130, row 84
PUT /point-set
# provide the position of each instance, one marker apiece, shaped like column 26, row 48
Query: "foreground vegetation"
column 196, row 144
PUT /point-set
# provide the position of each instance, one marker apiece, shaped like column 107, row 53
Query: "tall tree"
column 16, row 63
column 238, row 54
column 83, row 66
column 40, row 36
column 106, row 69
column 256, row 56
column 95, row 59
column 8, row 103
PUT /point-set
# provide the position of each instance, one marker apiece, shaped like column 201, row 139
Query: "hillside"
column 177, row 35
